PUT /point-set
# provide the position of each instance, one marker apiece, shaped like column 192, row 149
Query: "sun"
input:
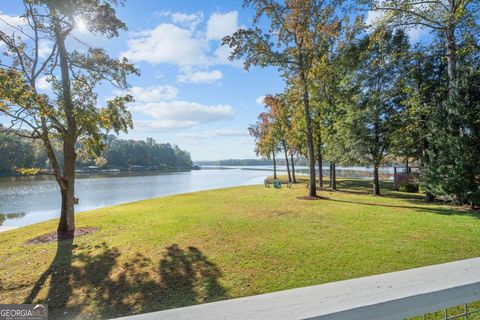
column 81, row 25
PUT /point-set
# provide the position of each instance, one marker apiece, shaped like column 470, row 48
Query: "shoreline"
column 79, row 172
column 301, row 181
column 6, row 228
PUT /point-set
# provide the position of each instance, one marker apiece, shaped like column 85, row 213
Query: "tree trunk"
column 451, row 56
column 67, row 217
column 330, row 177
column 376, row 181
column 294, row 178
column 320, row 165
column 66, row 227
column 286, row 160
column 274, row 166
column 429, row 197
column 312, row 187
column 334, row 177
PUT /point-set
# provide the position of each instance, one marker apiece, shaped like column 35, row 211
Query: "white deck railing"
column 396, row 295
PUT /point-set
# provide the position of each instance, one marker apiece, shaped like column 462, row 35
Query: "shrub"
column 408, row 187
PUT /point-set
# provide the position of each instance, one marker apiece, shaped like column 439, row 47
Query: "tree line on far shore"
column 358, row 91
column 17, row 153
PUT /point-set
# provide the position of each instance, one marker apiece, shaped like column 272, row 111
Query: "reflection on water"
column 385, row 173
column 39, row 197
column 5, row 216
column 28, row 200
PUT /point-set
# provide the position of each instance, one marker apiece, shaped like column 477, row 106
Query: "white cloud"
column 154, row 93
column 9, row 24
column 222, row 54
column 209, row 134
column 179, row 114
column 180, row 17
column 168, row 43
column 182, row 43
column 260, row 100
column 416, row 34
column 162, row 13
column 43, row 84
column 161, row 125
column 190, row 20
column 12, row 25
column 17, row 25
column 372, row 17
column 220, row 25
column 44, row 48
column 200, row 76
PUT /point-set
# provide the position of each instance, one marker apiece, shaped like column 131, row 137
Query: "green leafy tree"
column 455, row 26
column 427, row 83
column 373, row 120
column 448, row 19
column 281, row 125
column 327, row 95
column 18, row 152
column 453, row 165
column 327, row 82
column 296, row 138
column 266, row 138
column 71, row 114
column 299, row 29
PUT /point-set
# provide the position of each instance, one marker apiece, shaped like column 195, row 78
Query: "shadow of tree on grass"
column 445, row 210
column 94, row 283
column 365, row 187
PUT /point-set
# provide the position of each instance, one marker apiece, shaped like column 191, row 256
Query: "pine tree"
column 453, row 167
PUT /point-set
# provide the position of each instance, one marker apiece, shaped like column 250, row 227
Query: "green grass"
column 207, row 246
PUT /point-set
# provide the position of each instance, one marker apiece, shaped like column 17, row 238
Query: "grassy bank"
column 206, row 246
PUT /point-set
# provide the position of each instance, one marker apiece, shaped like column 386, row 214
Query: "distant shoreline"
column 103, row 171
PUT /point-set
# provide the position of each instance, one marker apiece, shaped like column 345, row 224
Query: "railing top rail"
column 395, row 295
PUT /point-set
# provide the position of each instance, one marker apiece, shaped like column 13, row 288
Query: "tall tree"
column 427, row 83
column 372, row 122
column 326, row 74
column 296, row 138
column 453, row 166
column 281, row 123
column 445, row 17
column 266, row 139
column 71, row 113
column 330, row 89
column 300, row 27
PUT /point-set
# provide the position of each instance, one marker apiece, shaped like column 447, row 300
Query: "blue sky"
column 188, row 92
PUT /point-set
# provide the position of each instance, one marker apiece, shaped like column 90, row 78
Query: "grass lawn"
column 206, row 246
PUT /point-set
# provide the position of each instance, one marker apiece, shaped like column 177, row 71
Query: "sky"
column 189, row 93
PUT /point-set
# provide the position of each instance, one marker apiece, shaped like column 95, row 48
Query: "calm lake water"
column 28, row 200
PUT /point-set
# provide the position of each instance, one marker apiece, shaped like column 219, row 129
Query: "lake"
column 28, row 200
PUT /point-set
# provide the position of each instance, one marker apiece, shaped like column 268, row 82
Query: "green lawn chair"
column 277, row 184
